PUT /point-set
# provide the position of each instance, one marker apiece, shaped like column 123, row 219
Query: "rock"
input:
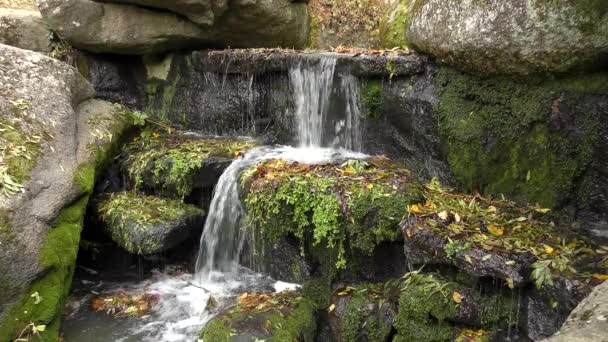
column 588, row 321
column 24, row 29
column 175, row 165
column 63, row 139
column 284, row 262
column 522, row 36
column 361, row 314
column 128, row 29
column 284, row 316
column 147, row 225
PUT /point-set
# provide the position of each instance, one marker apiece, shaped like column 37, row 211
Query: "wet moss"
column 284, row 316
column 502, row 137
column 394, row 24
column 347, row 210
column 170, row 163
column 372, row 99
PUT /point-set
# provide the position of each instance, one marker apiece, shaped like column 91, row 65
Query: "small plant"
column 391, row 69
column 355, row 165
column 8, row 184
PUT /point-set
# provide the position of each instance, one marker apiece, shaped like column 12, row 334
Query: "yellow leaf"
column 543, row 210
column 600, row 276
column 414, row 209
column 443, row 215
column 468, row 259
column 457, row 297
column 409, row 233
column 331, row 308
column 548, row 249
column 494, row 230
column 457, row 217
column 492, row 209
column 369, row 186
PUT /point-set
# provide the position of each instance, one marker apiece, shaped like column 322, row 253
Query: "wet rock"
column 24, row 29
column 515, row 37
column 63, row 138
column 147, row 225
column 277, row 317
column 284, row 262
column 588, row 321
column 127, row 29
column 361, row 314
column 175, row 165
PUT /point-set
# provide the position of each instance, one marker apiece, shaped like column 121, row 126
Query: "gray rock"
column 146, row 225
column 519, row 36
column 24, row 29
column 128, row 29
column 40, row 226
column 589, row 320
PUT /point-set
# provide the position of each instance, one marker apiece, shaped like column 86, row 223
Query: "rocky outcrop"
column 147, row 225
column 522, row 36
column 24, row 29
column 128, row 29
column 53, row 141
column 589, row 321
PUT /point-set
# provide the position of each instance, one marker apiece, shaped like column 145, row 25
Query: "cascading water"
column 327, row 114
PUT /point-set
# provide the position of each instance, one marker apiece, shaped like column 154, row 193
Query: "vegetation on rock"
column 348, row 208
column 283, row 316
column 170, row 162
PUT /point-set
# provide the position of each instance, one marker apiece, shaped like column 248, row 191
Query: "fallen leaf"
column 543, row 210
column 331, row 308
column 494, row 230
column 457, row 297
column 443, row 215
column 457, row 217
column 548, row 249
column 369, row 186
column 600, row 276
column 414, row 209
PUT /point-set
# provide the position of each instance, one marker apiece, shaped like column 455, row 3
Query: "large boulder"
column 53, row 140
column 589, row 321
column 130, row 29
column 146, row 225
column 24, row 29
column 520, row 36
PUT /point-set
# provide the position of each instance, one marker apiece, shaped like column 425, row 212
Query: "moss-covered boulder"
column 147, row 225
column 521, row 36
column 339, row 213
column 432, row 308
column 362, row 313
column 284, row 316
column 124, row 27
column 53, row 140
column 538, row 139
column 175, row 164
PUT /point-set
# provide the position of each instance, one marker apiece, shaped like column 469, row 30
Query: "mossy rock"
column 284, row 316
column 536, row 139
column 394, row 24
column 173, row 164
column 514, row 37
column 336, row 212
column 147, row 225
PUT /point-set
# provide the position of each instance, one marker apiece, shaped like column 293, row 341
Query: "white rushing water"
column 182, row 309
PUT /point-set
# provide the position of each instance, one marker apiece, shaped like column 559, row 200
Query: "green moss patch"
column 170, row 162
column 140, row 223
column 348, row 208
column 527, row 138
column 284, row 316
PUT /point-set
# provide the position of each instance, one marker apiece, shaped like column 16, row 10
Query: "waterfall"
column 327, row 114
column 322, row 103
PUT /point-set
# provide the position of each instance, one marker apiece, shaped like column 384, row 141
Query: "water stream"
column 327, row 114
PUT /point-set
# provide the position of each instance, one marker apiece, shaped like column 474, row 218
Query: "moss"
column 276, row 317
column 133, row 219
column 44, row 301
column 394, row 24
column 170, row 163
column 6, row 233
column 372, row 99
column 346, row 210
column 501, row 139
column 363, row 316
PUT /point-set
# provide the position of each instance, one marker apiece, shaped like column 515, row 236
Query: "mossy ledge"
column 336, row 210
column 529, row 139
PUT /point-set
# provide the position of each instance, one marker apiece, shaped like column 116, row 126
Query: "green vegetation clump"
column 170, row 162
column 503, row 228
column 129, row 215
column 503, row 134
column 347, row 208
column 284, row 316
column 394, row 24
column 372, row 99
